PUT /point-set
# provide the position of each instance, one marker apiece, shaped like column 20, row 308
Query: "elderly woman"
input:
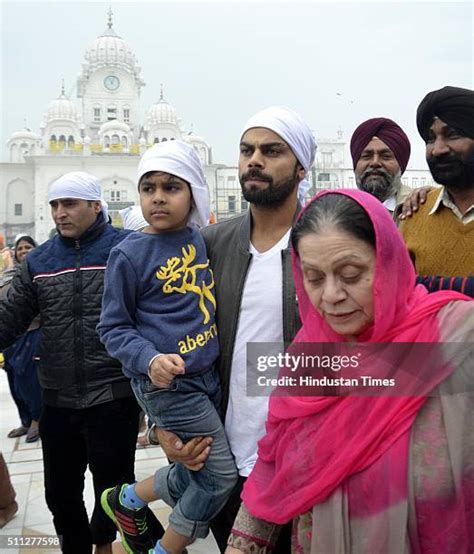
column 382, row 474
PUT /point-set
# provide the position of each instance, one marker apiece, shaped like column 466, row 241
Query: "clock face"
column 111, row 82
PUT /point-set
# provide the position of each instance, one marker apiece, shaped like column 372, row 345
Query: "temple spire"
column 110, row 13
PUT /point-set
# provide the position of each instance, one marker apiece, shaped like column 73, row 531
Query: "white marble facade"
column 101, row 132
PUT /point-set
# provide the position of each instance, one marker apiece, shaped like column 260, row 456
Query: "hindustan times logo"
column 306, row 361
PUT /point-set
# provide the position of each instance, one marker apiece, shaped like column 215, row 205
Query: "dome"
column 24, row 134
column 62, row 108
column 110, row 49
column 162, row 112
column 195, row 139
column 114, row 125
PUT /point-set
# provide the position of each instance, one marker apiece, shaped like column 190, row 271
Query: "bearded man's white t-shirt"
column 260, row 320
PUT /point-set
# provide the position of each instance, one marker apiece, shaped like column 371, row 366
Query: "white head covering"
column 132, row 218
column 180, row 159
column 19, row 236
column 80, row 185
column 294, row 131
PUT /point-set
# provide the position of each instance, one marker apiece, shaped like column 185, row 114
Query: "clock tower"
column 110, row 84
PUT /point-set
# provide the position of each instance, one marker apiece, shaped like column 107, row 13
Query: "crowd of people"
column 157, row 318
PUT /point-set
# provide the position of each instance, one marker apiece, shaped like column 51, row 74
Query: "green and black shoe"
column 132, row 525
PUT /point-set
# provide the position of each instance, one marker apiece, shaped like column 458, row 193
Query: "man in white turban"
column 90, row 416
column 76, row 200
column 295, row 133
column 256, row 299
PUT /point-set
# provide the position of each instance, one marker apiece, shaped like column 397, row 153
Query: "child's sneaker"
column 131, row 524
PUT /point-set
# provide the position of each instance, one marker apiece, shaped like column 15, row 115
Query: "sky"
column 337, row 63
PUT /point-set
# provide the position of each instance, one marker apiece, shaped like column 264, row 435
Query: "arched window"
column 70, row 141
column 106, row 141
column 124, row 142
column 156, row 140
column 14, row 157
column 53, row 138
column 115, row 139
column 164, row 139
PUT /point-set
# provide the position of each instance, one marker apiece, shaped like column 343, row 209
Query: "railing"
column 63, row 148
column 60, row 147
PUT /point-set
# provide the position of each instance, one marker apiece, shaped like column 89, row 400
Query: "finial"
column 63, row 93
column 110, row 13
column 162, row 96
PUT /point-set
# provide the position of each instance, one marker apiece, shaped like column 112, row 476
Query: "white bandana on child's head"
column 180, row 159
column 294, row 131
column 132, row 218
column 80, row 185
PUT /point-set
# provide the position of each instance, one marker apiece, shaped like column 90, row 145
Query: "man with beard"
column 440, row 235
column 380, row 152
column 256, row 300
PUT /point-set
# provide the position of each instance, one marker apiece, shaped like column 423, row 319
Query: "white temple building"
column 101, row 133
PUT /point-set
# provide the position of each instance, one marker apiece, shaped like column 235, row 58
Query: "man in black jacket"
column 90, row 416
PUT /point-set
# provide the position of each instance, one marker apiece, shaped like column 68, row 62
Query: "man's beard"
column 273, row 196
column 379, row 183
column 453, row 171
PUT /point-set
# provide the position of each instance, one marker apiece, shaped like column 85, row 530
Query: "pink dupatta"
column 313, row 444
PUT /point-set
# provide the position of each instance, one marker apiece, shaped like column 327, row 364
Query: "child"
column 158, row 320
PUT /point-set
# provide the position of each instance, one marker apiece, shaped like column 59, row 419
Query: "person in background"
column 20, row 363
column 380, row 152
column 440, row 234
column 132, row 218
column 6, row 258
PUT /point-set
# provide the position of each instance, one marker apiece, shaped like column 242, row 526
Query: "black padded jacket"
column 62, row 281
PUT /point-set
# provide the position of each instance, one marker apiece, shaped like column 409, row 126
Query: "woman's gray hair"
column 335, row 210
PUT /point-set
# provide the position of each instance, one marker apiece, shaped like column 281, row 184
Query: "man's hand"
column 415, row 199
column 165, row 368
column 193, row 454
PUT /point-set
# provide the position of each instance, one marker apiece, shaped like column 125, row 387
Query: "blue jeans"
column 189, row 407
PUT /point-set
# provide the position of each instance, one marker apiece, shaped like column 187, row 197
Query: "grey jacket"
column 228, row 250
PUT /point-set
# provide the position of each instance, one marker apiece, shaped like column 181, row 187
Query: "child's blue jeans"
column 189, row 408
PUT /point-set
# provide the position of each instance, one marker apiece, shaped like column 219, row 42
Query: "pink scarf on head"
column 313, row 444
